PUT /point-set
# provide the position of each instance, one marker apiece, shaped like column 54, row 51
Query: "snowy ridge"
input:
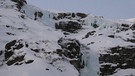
column 35, row 42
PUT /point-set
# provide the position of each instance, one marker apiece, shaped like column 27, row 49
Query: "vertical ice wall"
column 91, row 64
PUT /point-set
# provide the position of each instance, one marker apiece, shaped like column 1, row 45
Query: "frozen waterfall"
column 91, row 63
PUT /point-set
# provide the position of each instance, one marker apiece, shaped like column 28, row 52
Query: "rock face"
column 20, row 3
column 74, row 21
column 11, row 56
column 38, row 14
column 117, row 58
column 70, row 16
column 71, row 50
column 68, row 26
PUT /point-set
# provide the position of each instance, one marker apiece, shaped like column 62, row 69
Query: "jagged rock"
column 20, row 3
column 107, row 69
column 18, row 63
column 94, row 25
column 69, row 15
column 82, row 15
column 46, row 69
column 8, row 54
column 14, row 44
column 68, row 26
column 10, row 44
column 89, row 34
column 29, row 61
column 1, row 52
column 26, row 44
column 8, row 33
column 125, row 25
column 77, row 64
column 36, row 50
column 38, row 14
column 111, row 36
column 133, row 27
column 71, row 49
column 19, row 46
column 121, row 57
column 130, row 40
column 16, row 59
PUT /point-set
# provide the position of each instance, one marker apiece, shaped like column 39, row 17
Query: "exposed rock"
column 118, row 58
column 125, row 25
column 20, row 3
column 130, row 40
column 89, row 34
column 19, row 46
column 71, row 49
column 14, row 45
column 11, row 47
column 111, row 36
column 68, row 26
column 26, row 44
column 16, row 59
column 1, row 52
column 69, row 15
column 29, row 61
column 36, row 50
column 133, row 27
column 10, row 44
column 8, row 54
column 8, row 33
column 94, row 25
column 46, row 69
column 82, row 15
column 38, row 15
column 77, row 64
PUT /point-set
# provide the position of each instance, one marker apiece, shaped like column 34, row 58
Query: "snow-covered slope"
column 34, row 42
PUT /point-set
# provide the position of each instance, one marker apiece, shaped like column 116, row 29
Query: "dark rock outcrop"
column 1, row 52
column 29, row 61
column 133, row 27
column 15, row 60
column 20, row 3
column 10, row 54
column 70, row 16
column 71, row 49
column 10, row 44
column 38, row 15
column 69, row 22
column 117, row 58
column 82, row 15
column 89, row 34
column 69, row 26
